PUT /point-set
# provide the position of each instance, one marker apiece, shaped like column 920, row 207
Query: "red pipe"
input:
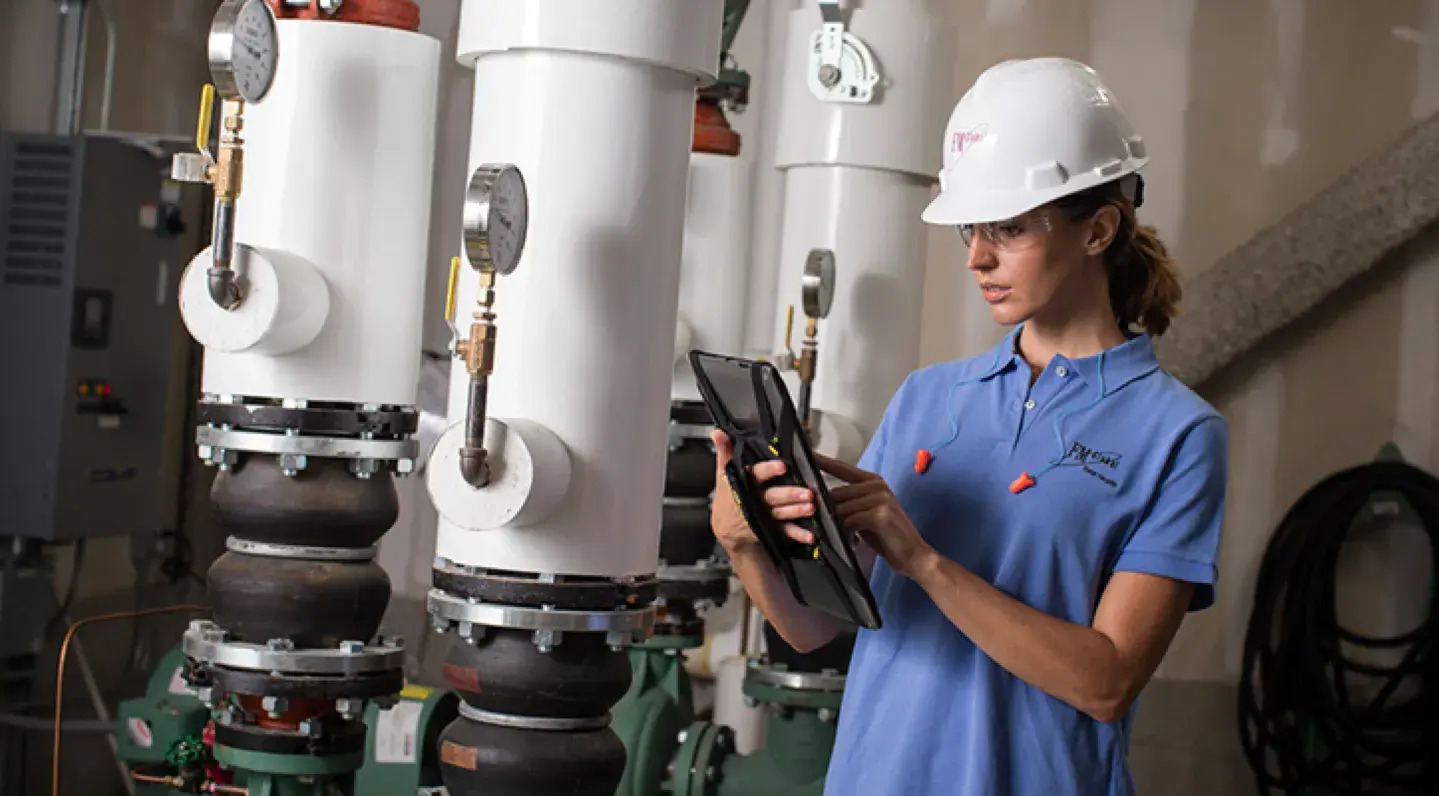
column 401, row 14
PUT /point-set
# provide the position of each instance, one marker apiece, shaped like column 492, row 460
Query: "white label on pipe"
column 397, row 731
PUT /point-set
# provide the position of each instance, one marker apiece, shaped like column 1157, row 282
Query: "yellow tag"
column 816, row 554
column 419, row 692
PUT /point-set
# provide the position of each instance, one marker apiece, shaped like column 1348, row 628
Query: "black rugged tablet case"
column 748, row 401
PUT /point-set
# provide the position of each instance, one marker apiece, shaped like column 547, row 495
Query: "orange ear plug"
column 1023, row 482
column 922, row 458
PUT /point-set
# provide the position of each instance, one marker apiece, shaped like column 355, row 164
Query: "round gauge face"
column 817, row 286
column 496, row 217
column 244, row 49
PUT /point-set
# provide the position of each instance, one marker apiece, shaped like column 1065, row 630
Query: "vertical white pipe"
column 856, row 179
column 595, row 104
column 364, row 95
column 714, row 272
column 768, row 181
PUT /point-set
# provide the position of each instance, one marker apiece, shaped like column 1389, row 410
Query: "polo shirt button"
column 1061, row 371
column 1029, row 404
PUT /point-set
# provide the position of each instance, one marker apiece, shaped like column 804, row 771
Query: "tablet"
column 748, row 400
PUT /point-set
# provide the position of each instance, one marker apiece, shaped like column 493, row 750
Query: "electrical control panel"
column 91, row 249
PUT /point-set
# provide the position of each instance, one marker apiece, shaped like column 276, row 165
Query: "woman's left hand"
column 866, row 505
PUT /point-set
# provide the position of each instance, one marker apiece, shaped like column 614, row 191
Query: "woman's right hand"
column 786, row 502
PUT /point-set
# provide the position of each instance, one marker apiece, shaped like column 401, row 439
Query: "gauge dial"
column 817, row 283
column 496, row 217
column 244, row 50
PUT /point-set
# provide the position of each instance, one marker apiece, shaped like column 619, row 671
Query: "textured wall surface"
column 1288, row 269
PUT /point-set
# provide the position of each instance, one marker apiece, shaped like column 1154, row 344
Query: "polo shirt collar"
column 1132, row 359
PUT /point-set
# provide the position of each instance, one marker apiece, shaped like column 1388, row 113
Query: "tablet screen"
column 735, row 389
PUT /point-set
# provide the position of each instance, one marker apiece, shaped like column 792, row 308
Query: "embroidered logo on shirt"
column 1103, row 465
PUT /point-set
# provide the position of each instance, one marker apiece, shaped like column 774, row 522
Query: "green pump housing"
column 161, row 732
column 672, row 752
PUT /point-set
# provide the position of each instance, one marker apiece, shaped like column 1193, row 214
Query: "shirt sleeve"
column 873, row 457
column 1179, row 537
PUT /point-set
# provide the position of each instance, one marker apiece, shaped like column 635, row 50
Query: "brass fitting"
column 809, row 351
column 478, row 351
column 226, row 174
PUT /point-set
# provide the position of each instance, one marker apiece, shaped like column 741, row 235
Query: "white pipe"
column 714, row 271
column 595, row 105
column 857, row 177
column 768, row 182
column 350, row 197
column 108, row 85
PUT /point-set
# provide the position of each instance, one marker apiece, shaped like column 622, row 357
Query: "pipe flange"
column 386, row 422
column 376, row 687
column 703, row 571
column 688, row 431
column 778, row 676
column 545, row 723
column 205, row 641
column 519, row 588
column 469, row 618
column 397, row 450
column 303, row 552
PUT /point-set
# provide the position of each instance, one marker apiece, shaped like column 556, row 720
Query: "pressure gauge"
column 244, row 49
column 496, row 217
column 817, row 283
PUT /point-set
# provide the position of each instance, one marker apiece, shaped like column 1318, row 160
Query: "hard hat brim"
column 954, row 207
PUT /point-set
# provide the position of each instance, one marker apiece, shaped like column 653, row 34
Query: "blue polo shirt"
column 1130, row 479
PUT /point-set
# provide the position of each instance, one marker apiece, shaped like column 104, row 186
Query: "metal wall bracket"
column 842, row 68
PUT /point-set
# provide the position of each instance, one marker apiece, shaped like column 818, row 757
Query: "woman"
column 1037, row 520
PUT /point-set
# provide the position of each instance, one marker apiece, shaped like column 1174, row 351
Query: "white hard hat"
column 1029, row 132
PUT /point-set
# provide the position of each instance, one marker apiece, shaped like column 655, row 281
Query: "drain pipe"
column 70, row 66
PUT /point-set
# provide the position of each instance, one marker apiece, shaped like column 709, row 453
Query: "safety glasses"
column 1021, row 231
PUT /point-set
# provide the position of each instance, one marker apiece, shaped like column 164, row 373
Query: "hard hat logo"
column 962, row 141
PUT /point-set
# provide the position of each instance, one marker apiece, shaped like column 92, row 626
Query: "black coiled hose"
column 1302, row 731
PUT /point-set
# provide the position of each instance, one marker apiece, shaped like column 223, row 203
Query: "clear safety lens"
column 1011, row 233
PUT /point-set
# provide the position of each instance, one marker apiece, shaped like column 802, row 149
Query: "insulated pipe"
column 338, row 165
column 310, row 384
column 714, row 271
column 547, row 572
column 857, row 176
column 590, row 312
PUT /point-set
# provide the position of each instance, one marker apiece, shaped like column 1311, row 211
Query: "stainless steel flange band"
column 828, row 680
column 533, row 722
column 683, row 431
column 304, row 552
column 205, row 641
column 444, row 605
column 700, row 573
column 319, row 447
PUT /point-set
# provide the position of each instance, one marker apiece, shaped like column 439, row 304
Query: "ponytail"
column 1144, row 286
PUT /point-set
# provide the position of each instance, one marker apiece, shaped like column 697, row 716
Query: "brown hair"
column 1143, row 280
